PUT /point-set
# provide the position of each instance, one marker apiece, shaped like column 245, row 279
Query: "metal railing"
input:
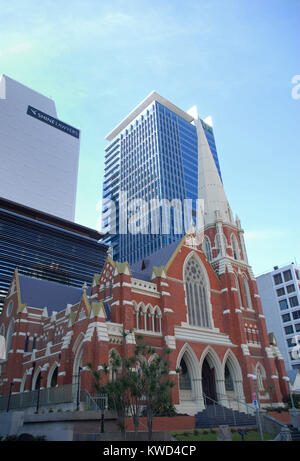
column 48, row 396
column 237, row 404
column 225, row 411
column 94, row 402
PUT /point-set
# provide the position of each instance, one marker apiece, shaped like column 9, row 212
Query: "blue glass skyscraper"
column 153, row 154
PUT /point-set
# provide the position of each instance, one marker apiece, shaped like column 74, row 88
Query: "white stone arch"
column 192, row 364
column 9, row 336
column 153, row 357
column 235, row 370
column 210, row 355
column 78, row 353
column 51, row 372
column 157, row 316
column 201, row 317
column 35, row 377
column 142, row 307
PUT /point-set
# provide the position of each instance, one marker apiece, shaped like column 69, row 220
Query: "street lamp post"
column 78, row 388
column 287, row 379
column 9, row 396
column 257, row 407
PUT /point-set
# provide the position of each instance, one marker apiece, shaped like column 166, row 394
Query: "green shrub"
column 196, row 432
column 186, row 434
column 205, row 432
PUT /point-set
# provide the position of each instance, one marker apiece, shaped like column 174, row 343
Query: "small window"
column 297, row 274
column 291, row 342
column 286, row 317
column 277, row 279
column 26, row 343
column 287, row 275
column 290, row 288
column 280, row 292
column 283, row 304
column 289, row 330
column 297, row 327
column 296, row 315
column 294, row 301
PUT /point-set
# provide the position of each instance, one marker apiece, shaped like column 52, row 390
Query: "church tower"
column 224, row 247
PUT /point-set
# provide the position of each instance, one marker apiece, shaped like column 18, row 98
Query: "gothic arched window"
column 247, row 293
column 237, row 285
column 235, row 247
column 197, row 294
column 207, row 248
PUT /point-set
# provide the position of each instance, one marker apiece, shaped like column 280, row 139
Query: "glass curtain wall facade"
column 153, row 157
column 45, row 251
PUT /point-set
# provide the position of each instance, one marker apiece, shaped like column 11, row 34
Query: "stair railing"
column 217, row 405
column 246, row 408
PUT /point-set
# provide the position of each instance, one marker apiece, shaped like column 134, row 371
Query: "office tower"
column 39, row 154
column 279, row 292
column 46, row 247
column 153, row 154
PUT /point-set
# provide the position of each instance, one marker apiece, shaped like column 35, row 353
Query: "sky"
column 236, row 60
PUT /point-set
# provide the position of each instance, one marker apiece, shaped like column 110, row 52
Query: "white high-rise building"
column 279, row 291
column 39, row 154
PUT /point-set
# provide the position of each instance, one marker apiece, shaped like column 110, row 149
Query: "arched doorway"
column 208, row 383
column 37, row 383
column 53, row 381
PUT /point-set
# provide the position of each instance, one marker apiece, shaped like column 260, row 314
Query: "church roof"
column 44, row 293
column 142, row 269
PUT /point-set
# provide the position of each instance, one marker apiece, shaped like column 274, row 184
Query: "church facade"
column 208, row 315
column 197, row 296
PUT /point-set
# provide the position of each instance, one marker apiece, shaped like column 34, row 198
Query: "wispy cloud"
column 264, row 234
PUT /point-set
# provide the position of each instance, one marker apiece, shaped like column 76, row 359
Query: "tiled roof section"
column 142, row 269
column 44, row 293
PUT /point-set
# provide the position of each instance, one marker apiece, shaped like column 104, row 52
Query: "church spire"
column 210, row 187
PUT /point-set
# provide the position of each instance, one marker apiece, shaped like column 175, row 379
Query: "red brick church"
column 198, row 299
column 208, row 314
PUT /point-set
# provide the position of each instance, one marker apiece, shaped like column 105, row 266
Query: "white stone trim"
column 202, row 335
column 245, row 350
column 62, row 373
column 274, row 377
column 165, row 293
column 167, row 309
column 170, row 342
column 227, row 311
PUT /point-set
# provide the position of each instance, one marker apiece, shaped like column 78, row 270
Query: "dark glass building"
column 46, row 247
column 153, row 154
